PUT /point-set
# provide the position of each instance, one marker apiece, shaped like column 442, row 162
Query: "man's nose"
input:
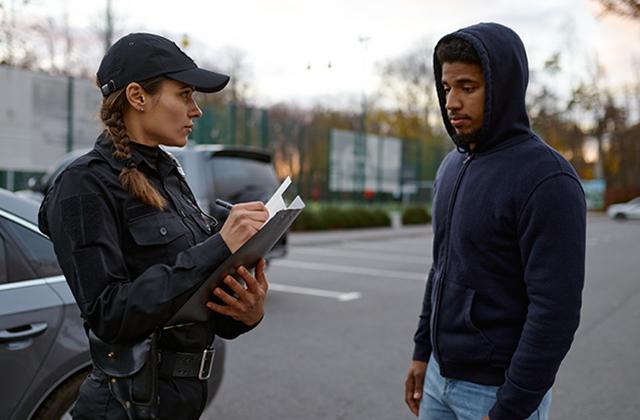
column 453, row 102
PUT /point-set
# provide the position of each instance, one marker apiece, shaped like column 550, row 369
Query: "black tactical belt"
column 186, row 365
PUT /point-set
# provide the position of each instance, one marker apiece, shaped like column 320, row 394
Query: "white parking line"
column 402, row 249
column 368, row 255
column 607, row 238
column 341, row 296
column 347, row 269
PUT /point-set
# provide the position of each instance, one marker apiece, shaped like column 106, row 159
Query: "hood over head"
column 506, row 74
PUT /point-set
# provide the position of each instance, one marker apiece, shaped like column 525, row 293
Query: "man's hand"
column 248, row 305
column 414, row 384
column 486, row 418
column 244, row 220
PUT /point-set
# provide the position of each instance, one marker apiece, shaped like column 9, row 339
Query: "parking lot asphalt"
column 337, row 336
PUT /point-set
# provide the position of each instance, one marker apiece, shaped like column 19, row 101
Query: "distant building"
column 42, row 117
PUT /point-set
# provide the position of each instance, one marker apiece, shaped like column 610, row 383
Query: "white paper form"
column 276, row 202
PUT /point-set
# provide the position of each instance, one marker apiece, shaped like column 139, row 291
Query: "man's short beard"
column 463, row 140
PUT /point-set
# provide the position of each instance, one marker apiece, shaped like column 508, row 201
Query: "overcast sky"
column 289, row 43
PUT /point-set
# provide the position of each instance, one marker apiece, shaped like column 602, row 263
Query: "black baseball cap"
column 140, row 56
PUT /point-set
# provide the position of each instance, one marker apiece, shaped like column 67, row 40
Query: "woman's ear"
column 135, row 96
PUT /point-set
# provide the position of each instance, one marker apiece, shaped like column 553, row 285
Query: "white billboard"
column 379, row 156
column 34, row 118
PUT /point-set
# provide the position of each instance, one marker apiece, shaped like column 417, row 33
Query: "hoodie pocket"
column 459, row 340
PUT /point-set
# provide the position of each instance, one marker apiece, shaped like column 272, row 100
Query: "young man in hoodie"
column 502, row 300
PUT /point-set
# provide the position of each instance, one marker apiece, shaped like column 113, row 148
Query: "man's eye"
column 447, row 90
column 468, row 89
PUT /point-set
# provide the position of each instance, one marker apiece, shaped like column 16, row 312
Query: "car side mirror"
column 35, row 183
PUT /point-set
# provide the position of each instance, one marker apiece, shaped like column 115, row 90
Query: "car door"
column 634, row 211
column 30, row 311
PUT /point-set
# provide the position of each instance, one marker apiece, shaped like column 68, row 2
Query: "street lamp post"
column 360, row 144
column 308, row 134
column 108, row 30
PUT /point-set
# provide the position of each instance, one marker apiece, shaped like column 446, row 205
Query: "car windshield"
column 635, row 201
column 243, row 179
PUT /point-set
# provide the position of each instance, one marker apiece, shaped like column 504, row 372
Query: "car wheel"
column 620, row 216
column 57, row 406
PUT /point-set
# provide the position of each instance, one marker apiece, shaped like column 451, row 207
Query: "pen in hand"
column 224, row 204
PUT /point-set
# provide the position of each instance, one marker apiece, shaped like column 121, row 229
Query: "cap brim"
column 202, row 80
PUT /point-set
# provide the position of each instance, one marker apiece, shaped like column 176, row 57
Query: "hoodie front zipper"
column 438, row 285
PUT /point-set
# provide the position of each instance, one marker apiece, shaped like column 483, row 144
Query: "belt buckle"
column 206, row 364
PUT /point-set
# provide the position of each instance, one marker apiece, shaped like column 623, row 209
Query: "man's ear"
column 135, row 96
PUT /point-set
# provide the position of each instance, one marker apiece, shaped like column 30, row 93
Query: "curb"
column 337, row 236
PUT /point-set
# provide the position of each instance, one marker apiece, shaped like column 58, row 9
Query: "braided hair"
column 112, row 116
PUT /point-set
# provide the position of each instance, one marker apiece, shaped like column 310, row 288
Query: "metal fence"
column 43, row 117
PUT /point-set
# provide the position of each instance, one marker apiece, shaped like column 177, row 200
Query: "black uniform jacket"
column 131, row 266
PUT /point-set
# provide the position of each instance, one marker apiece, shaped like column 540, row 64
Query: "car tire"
column 620, row 216
column 58, row 404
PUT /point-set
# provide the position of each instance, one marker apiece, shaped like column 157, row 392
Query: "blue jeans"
column 452, row 399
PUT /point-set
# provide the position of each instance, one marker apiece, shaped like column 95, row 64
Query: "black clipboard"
column 248, row 255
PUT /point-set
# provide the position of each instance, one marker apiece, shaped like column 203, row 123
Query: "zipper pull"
column 467, row 159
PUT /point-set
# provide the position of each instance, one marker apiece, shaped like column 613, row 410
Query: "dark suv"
column 231, row 173
column 234, row 174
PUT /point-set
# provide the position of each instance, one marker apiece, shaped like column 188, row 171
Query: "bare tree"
column 227, row 60
column 35, row 42
column 13, row 48
column 408, row 85
column 237, row 66
column 627, row 8
column 412, row 111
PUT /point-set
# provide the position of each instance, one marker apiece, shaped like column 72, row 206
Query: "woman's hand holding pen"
column 244, row 220
column 247, row 306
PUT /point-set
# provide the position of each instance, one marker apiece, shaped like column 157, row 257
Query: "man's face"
column 463, row 85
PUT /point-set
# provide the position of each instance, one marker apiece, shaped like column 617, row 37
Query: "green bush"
column 359, row 217
column 415, row 215
column 333, row 217
column 309, row 219
column 381, row 217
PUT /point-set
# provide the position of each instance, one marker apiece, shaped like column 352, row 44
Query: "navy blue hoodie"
column 503, row 296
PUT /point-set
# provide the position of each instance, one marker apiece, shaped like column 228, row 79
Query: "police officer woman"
column 134, row 245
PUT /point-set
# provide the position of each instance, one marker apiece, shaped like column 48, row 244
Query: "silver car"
column 44, row 352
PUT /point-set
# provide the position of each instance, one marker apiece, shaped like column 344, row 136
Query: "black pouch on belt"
column 133, row 374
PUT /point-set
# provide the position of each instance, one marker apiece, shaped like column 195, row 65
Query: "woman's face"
column 167, row 118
